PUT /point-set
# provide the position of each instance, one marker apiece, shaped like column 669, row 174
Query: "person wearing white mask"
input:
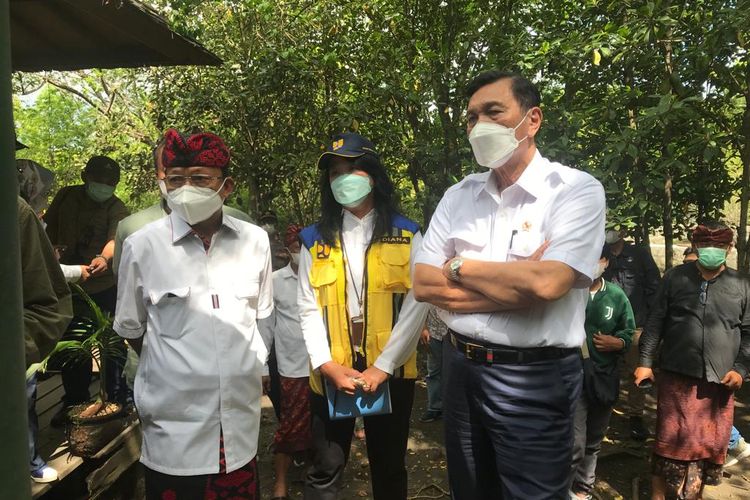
column 609, row 332
column 632, row 267
column 511, row 361
column 293, row 434
column 134, row 222
column 192, row 290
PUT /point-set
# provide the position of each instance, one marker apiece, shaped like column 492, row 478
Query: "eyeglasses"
column 199, row 180
column 703, row 293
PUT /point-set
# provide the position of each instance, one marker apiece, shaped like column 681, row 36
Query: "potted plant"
column 92, row 340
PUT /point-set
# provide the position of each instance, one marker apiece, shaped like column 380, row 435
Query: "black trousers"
column 509, row 427
column 386, row 447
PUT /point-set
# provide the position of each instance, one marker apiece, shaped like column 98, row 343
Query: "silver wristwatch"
column 454, row 269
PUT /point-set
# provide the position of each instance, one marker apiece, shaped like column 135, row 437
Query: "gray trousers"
column 590, row 424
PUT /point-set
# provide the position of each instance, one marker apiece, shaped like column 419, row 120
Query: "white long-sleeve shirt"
column 356, row 234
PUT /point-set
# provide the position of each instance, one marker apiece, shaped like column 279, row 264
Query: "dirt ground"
column 622, row 473
column 623, row 464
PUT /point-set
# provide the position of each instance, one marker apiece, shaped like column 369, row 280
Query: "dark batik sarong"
column 242, row 483
column 693, row 423
column 294, row 432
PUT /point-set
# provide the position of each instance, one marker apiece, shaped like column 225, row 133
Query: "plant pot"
column 88, row 435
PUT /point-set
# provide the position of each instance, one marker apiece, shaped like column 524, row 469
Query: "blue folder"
column 361, row 404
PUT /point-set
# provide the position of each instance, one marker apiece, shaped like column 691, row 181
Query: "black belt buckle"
column 477, row 352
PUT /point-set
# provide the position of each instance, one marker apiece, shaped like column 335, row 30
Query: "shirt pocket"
column 524, row 244
column 469, row 242
column 323, row 276
column 394, row 269
column 247, row 293
column 170, row 311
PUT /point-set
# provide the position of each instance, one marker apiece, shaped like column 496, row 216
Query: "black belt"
column 493, row 354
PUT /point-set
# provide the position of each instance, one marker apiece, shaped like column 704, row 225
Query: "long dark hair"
column 330, row 220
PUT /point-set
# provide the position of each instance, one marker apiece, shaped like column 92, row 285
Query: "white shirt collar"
column 287, row 272
column 530, row 179
column 350, row 220
column 180, row 228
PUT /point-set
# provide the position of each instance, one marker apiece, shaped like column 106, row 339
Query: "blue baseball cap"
column 346, row 145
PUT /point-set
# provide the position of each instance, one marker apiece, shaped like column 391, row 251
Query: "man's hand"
column 84, row 274
column 341, row 376
column 424, row 337
column 373, row 377
column 608, row 343
column 537, row 255
column 266, row 382
column 98, row 265
column 642, row 373
column 732, row 380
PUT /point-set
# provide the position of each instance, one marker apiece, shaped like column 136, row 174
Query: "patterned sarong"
column 294, row 432
column 693, row 422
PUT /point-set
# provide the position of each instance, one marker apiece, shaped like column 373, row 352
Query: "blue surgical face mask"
column 99, row 192
column 350, row 190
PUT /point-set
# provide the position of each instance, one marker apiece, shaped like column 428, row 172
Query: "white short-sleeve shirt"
column 200, row 366
column 549, row 202
column 291, row 353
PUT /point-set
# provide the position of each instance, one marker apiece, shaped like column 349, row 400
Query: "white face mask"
column 295, row 258
column 163, row 188
column 194, row 204
column 493, row 144
column 612, row 237
column 600, row 270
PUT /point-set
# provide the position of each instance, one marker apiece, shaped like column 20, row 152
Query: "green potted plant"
column 92, row 340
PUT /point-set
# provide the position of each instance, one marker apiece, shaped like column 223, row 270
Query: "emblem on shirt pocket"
column 608, row 312
column 322, row 251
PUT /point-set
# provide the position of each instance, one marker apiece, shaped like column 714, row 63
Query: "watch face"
column 456, row 265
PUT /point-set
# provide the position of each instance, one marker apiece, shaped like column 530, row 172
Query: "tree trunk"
column 667, row 133
column 743, row 263
column 667, row 222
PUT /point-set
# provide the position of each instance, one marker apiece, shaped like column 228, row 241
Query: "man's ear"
column 535, row 121
column 227, row 189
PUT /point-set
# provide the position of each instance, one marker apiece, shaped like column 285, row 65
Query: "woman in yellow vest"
column 360, row 321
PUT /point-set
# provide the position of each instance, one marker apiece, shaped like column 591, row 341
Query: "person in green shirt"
column 609, row 331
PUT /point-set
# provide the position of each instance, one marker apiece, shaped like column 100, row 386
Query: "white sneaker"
column 44, row 475
column 741, row 451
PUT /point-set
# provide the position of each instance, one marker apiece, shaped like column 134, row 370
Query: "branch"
column 81, row 95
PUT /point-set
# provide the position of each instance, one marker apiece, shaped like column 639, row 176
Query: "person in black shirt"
column 633, row 269
column 701, row 318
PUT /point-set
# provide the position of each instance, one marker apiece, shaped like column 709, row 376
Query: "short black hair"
column 689, row 250
column 525, row 92
column 606, row 252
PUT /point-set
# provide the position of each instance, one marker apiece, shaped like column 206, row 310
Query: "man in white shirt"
column 508, row 257
column 191, row 289
column 359, row 318
column 293, row 432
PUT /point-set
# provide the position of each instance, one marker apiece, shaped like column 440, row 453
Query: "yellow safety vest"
column 385, row 286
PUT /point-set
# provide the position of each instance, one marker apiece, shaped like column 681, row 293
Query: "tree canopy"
column 651, row 97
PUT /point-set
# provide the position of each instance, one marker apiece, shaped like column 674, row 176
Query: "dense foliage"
column 652, row 97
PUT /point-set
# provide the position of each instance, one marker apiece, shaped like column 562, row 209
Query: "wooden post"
column 14, row 459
